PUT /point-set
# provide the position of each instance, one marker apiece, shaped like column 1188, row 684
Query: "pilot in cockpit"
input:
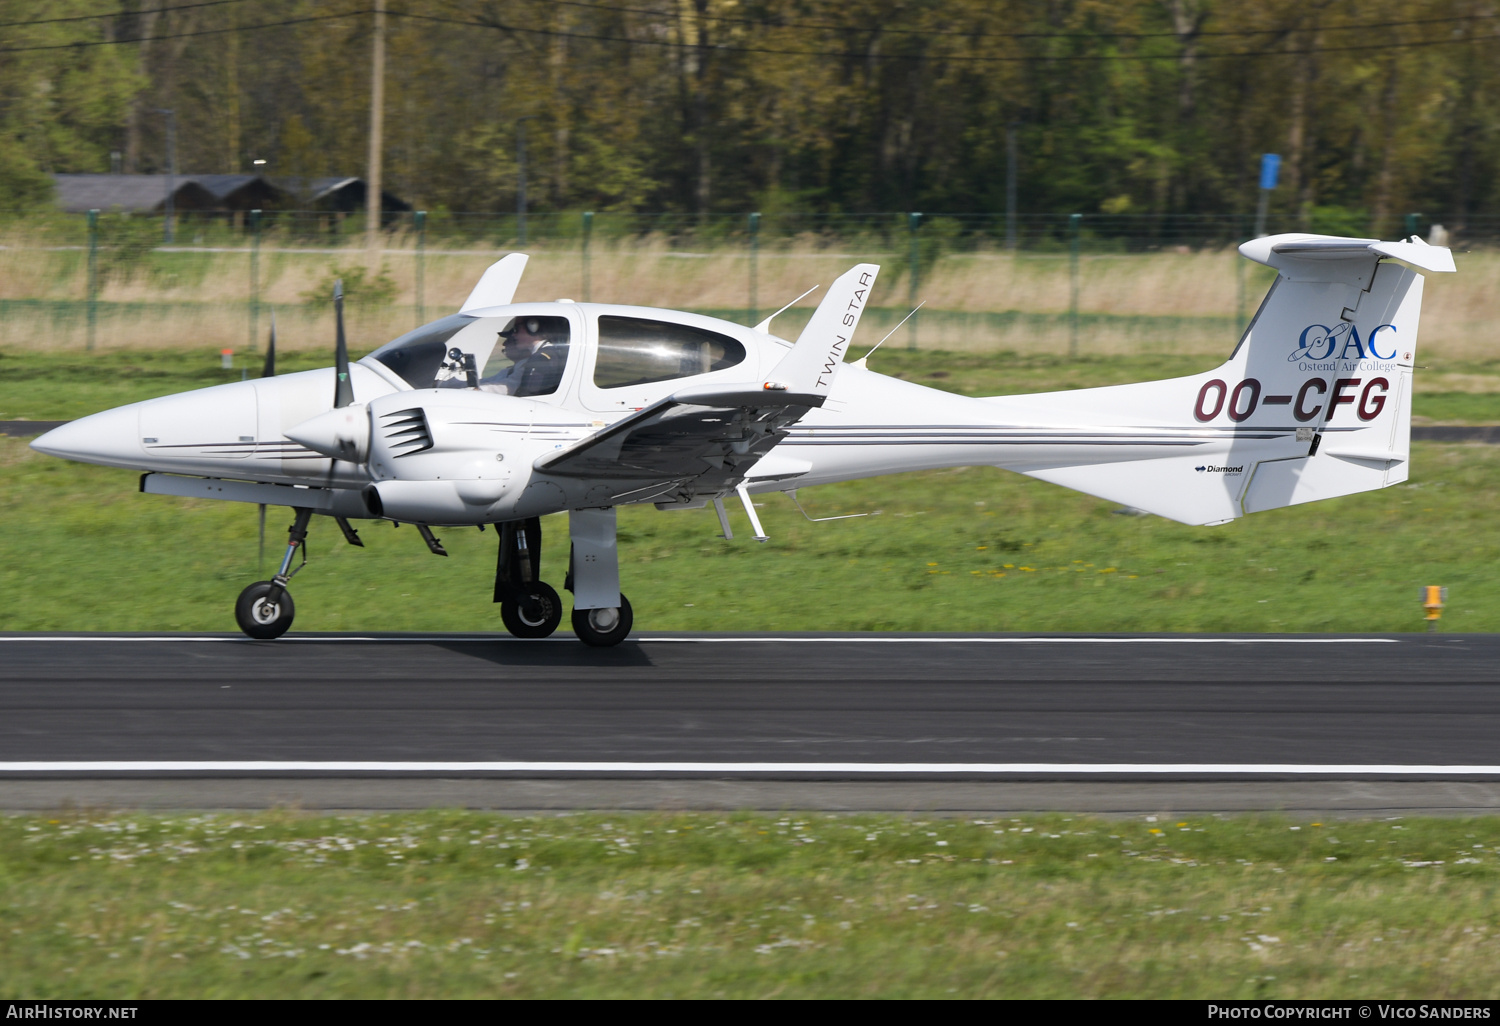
column 538, row 349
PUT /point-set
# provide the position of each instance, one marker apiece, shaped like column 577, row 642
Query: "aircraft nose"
column 111, row 438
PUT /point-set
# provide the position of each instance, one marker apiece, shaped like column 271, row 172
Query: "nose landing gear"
column 265, row 609
column 261, row 616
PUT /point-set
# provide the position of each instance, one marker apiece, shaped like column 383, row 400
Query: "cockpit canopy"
column 528, row 354
column 443, row 354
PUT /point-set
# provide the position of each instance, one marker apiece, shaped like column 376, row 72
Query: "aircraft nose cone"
column 111, row 438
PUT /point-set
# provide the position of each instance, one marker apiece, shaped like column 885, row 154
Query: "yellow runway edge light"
column 1433, row 597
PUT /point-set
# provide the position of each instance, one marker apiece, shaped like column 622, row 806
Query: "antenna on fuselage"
column 764, row 327
column 860, row 363
column 269, row 370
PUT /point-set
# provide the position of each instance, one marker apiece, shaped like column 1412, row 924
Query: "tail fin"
column 1315, row 402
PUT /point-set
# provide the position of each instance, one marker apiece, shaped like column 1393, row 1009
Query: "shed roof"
column 147, row 193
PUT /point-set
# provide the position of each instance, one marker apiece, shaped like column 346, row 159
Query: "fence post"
column 93, row 304
column 913, row 226
column 1411, row 224
column 254, row 278
column 588, row 233
column 754, row 312
column 1010, row 185
column 1239, row 293
column 420, row 221
column 1075, row 223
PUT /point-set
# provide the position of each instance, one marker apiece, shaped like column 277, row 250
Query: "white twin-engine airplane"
column 600, row 405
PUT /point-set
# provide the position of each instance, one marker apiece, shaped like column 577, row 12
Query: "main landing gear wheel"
column 262, row 617
column 537, row 617
column 603, row 627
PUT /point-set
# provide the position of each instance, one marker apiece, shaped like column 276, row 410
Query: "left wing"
column 706, row 438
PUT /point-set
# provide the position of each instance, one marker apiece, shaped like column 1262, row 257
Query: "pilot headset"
column 533, row 326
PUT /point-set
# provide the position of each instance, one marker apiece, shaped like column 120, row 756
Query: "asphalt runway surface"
column 1354, row 725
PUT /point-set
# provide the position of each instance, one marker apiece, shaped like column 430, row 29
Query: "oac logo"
column 1320, row 342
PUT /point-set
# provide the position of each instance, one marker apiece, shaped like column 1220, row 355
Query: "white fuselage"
column 482, row 444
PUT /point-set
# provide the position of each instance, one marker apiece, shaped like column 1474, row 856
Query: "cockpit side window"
column 418, row 356
column 636, row 350
column 537, row 350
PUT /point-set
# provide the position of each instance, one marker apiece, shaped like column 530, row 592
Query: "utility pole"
column 521, row 178
column 169, row 227
column 377, row 129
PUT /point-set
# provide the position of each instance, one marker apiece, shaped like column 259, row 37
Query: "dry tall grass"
column 1172, row 302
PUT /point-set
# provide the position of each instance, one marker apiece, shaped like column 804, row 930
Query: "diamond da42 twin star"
column 506, row 412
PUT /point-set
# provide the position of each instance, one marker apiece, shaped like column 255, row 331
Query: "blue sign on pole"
column 1270, row 167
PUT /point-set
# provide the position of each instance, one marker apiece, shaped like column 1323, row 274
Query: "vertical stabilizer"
column 1315, row 402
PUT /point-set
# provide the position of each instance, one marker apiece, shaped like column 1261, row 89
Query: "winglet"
column 497, row 286
column 809, row 369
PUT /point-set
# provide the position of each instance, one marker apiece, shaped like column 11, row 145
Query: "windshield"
column 418, row 356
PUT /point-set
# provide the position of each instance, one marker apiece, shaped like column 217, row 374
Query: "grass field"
column 973, row 549
column 969, row 549
column 459, row 904
column 446, row 903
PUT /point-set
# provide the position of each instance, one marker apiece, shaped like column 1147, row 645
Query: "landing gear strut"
column 602, row 617
column 529, row 607
column 265, row 609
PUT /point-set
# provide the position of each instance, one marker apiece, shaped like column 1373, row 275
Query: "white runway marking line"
column 779, row 640
column 746, row 768
column 1056, row 641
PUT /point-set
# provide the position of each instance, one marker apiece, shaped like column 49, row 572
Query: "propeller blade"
column 269, row 370
column 343, row 391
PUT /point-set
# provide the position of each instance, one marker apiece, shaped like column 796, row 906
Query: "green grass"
column 1456, row 407
column 460, row 904
column 69, row 384
column 971, row 549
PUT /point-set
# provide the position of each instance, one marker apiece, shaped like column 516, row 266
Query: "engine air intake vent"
column 406, row 432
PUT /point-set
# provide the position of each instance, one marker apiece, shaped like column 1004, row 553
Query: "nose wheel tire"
column 260, row 617
column 537, row 617
column 602, row 628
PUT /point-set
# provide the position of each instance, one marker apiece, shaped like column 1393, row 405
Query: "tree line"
column 1378, row 107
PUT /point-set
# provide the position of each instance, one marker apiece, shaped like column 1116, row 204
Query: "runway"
column 1095, row 723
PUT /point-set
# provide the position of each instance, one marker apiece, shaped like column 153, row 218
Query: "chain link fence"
column 1075, row 282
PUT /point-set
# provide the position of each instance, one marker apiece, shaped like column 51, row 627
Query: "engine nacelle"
column 422, row 502
column 461, row 456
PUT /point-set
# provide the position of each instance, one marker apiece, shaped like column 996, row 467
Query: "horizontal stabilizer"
column 1303, row 257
